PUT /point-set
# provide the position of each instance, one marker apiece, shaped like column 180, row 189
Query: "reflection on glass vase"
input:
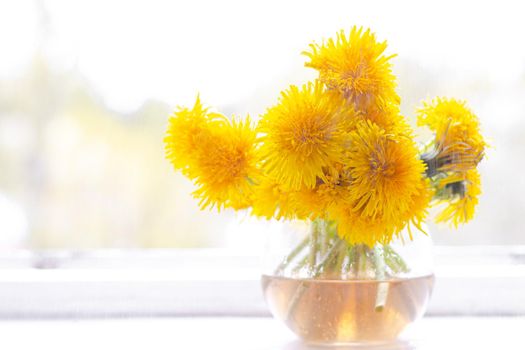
column 330, row 292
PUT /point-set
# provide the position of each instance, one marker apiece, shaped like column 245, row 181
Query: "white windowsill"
column 469, row 281
column 241, row 333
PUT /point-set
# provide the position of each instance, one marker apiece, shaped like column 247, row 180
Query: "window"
column 86, row 89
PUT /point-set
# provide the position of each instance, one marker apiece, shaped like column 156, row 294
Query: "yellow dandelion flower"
column 356, row 66
column 314, row 202
column 463, row 190
column 386, row 188
column 219, row 155
column 186, row 129
column 418, row 208
column 227, row 166
column 458, row 144
column 358, row 229
column 388, row 116
column 385, row 170
column 303, row 134
column 271, row 200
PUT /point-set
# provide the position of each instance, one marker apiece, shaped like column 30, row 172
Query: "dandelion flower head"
column 304, row 134
column 465, row 189
column 387, row 186
column 356, row 66
column 218, row 154
column 458, row 145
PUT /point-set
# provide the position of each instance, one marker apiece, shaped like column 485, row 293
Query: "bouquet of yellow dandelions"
column 337, row 153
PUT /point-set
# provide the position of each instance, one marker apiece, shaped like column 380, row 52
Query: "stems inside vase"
column 323, row 255
column 358, row 261
column 382, row 287
column 314, row 243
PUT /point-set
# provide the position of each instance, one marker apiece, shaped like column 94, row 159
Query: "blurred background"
column 86, row 88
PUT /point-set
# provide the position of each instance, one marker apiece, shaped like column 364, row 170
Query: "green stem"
column 328, row 258
column 382, row 287
column 379, row 263
column 362, row 261
column 314, row 238
column 394, row 261
column 341, row 255
column 302, row 263
column 325, row 237
column 352, row 256
column 303, row 286
column 293, row 254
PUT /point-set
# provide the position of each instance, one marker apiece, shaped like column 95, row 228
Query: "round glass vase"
column 329, row 292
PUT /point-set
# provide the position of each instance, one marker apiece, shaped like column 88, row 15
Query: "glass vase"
column 330, row 292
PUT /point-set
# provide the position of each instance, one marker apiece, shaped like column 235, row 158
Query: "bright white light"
column 230, row 50
column 14, row 223
column 18, row 36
